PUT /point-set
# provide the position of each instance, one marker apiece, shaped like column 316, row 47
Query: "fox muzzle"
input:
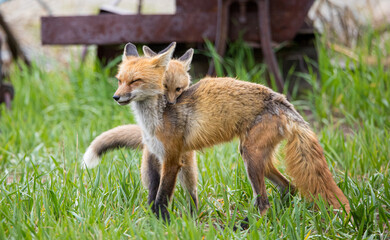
column 123, row 100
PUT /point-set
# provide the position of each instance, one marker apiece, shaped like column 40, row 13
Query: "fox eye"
column 165, row 86
column 136, row 80
column 119, row 81
column 178, row 89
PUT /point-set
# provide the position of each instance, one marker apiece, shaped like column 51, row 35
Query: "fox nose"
column 115, row 97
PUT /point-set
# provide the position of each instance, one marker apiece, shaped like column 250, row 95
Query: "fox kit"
column 213, row 111
column 176, row 81
column 176, row 78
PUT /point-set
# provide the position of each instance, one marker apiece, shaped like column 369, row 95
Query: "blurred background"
column 344, row 19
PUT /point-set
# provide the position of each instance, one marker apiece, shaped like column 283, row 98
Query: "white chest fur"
column 154, row 145
column 148, row 116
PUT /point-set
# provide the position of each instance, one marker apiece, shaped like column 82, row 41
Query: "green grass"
column 57, row 113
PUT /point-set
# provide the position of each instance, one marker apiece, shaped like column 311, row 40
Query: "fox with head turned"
column 176, row 81
column 216, row 110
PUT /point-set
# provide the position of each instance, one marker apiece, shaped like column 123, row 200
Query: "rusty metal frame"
column 265, row 39
column 6, row 89
column 193, row 22
column 108, row 29
column 264, row 33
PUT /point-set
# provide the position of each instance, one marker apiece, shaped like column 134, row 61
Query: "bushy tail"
column 305, row 162
column 129, row 136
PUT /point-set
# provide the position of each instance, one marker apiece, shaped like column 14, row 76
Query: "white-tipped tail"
column 128, row 136
column 90, row 159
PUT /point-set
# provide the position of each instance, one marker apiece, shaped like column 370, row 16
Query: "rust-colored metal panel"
column 260, row 21
column 185, row 6
column 287, row 17
column 114, row 29
column 285, row 21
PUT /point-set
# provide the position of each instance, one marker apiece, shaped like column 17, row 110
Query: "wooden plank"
column 115, row 29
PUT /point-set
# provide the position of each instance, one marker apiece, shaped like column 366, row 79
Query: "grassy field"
column 57, row 113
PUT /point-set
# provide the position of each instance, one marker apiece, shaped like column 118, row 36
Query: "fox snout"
column 171, row 98
column 171, row 101
column 123, row 99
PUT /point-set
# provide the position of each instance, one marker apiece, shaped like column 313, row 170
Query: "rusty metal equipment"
column 260, row 22
column 6, row 93
column 6, row 89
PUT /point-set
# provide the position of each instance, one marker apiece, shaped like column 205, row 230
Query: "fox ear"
column 163, row 59
column 167, row 48
column 130, row 50
column 148, row 52
column 187, row 58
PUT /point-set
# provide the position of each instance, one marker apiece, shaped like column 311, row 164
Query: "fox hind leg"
column 279, row 180
column 257, row 148
column 256, row 173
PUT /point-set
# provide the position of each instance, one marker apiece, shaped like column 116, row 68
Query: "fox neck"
column 149, row 116
column 149, row 113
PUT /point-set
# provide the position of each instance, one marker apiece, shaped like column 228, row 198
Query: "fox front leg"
column 150, row 174
column 170, row 169
column 188, row 177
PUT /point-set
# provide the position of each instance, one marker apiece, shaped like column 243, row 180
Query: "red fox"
column 213, row 111
column 130, row 135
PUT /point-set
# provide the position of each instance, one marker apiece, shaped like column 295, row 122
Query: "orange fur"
column 216, row 110
column 303, row 151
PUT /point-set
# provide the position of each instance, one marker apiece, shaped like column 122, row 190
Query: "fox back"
column 216, row 110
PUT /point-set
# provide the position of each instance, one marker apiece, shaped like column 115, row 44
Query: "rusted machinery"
column 262, row 23
column 6, row 88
